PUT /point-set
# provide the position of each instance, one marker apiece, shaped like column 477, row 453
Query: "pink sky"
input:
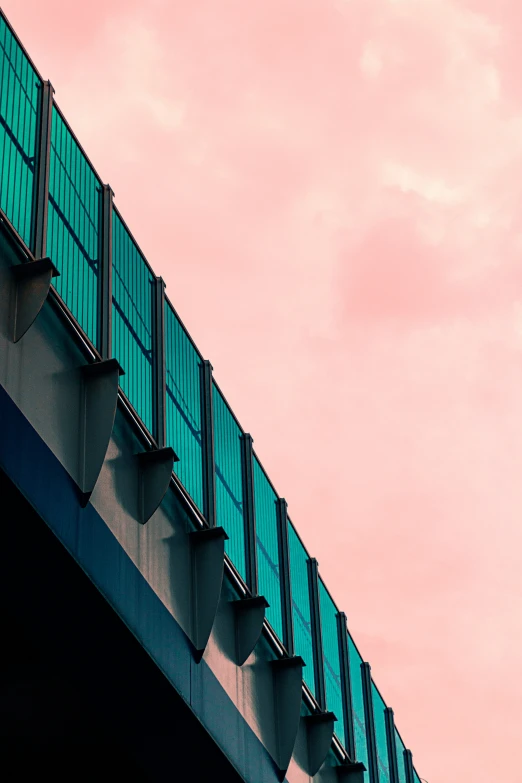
column 332, row 190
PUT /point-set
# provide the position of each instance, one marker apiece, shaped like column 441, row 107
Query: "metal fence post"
column 207, row 442
column 346, row 686
column 392, row 747
column 105, row 275
column 317, row 635
column 366, row 679
column 41, row 186
column 249, row 510
column 284, row 575
column 408, row 764
column 159, row 366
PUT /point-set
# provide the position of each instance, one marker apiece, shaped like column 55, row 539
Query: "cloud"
column 409, row 181
column 371, row 61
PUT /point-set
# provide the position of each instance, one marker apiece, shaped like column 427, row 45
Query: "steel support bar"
column 249, row 617
column 41, row 180
column 392, row 746
column 317, row 634
column 319, row 735
column 288, row 685
column 346, row 686
column 159, row 366
column 284, row 575
column 32, row 281
column 408, row 764
column 97, row 411
column 208, row 560
column 207, row 426
column 249, row 511
column 370, row 722
column 105, row 275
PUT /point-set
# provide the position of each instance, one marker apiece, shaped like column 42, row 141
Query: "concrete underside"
column 81, row 699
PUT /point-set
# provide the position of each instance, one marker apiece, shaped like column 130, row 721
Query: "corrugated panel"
column 19, row 87
column 184, row 406
column 73, row 226
column 301, row 615
column 132, row 297
column 229, row 481
column 267, row 547
column 359, row 722
column 332, row 663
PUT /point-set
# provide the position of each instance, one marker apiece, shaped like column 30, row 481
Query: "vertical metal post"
column 408, row 764
column 284, row 574
column 249, row 512
column 207, row 442
column 366, row 678
column 158, row 364
column 392, row 746
column 105, row 274
column 41, row 183
column 346, row 686
column 317, row 634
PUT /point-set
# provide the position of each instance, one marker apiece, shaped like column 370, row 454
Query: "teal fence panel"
column 332, row 661
column 268, row 564
column 132, row 314
column 399, row 747
column 301, row 614
column 73, row 240
column 359, row 721
column 184, row 405
column 229, row 479
column 380, row 735
column 19, row 88
column 416, row 777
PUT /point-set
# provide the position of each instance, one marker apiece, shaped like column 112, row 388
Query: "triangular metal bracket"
column 319, row 732
column 97, row 412
column 288, row 689
column 32, row 282
column 250, row 615
column 155, row 472
column 208, row 561
column 351, row 772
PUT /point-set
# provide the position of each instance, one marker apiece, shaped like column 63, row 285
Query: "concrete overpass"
column 163, row 616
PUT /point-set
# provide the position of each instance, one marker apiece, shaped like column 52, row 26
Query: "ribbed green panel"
column 267, row 547
column 301, row 616
column 399, row 745
column 229, row 481
column 416, row 777
column 132, row 296
column 359, row 723
column 380, row 735
column 19, row 88
column 184, row 406
column 73, row 226
column 332, row 663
